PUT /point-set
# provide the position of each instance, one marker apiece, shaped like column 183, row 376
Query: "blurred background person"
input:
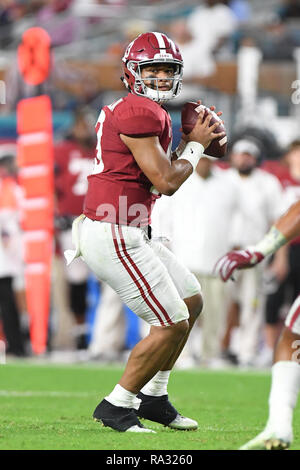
column 211, row 24
column 197, row 220
column 276, row 31
column 260, row 205
column 11, row 253
column 74, row 159
column 198, row 61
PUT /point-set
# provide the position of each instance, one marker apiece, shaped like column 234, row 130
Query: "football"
column 189, row 115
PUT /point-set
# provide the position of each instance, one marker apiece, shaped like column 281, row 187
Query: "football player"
column 278, row 433
column 134, row 166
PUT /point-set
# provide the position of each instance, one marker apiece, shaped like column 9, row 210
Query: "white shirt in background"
column 197, row 219
column 291, row 195
column 209, row 24
column 261, row 203
column 11, row 244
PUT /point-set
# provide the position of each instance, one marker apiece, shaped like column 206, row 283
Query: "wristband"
column 192, row 153
column 271, row 242
column 180, row 148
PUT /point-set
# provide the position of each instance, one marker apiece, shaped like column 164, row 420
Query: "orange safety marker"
column 36, row 170
column 38, row 246
column 37, row 280
column 35, row 161
column 37, row 214
column 34, row 56
column 36, row 181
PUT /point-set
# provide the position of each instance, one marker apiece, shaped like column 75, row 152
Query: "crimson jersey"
column 73, row 164
column 118, row 191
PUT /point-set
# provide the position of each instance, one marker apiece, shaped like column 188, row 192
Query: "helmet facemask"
column 140, row 88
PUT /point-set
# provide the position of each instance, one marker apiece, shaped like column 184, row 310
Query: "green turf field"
column 50, row 407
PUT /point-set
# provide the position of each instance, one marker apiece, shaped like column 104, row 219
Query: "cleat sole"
column 276, row 444
column 180, row 429
column 272, row 443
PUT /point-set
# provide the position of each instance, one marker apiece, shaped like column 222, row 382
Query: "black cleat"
column 230, row 357
column 118, row 418
column 160, row 410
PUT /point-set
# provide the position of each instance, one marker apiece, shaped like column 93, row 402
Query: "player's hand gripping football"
column 238, row 259
column 203, row 132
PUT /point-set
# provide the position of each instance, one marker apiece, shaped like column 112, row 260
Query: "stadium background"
column 88, row 39
column 87, row 42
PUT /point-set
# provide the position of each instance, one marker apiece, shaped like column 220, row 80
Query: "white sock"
column 283, row 396
column 122, row 397
column 158, row 385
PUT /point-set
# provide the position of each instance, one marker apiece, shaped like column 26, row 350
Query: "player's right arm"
column 286, row 228
column 165, row 175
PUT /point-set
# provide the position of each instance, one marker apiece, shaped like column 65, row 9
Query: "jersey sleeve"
column 139, row 122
